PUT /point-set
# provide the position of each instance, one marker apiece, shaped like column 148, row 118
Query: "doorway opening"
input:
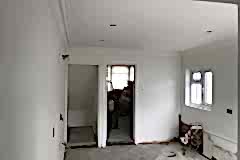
column 82, row 105
column 120, row 104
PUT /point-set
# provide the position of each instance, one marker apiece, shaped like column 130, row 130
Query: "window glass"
column 109, row 73
column 187, row 87
column 197, row 76
column 120, row 69
column 132, row 74
column 196, row 93
column 120, row 77
column 108, row 78
column 208, row 87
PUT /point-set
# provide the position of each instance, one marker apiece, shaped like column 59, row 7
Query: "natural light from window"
column 208, row 87
column 196, row 93
column 132, row 75
column 120, row 77
column 199, row 89
column 197, row 76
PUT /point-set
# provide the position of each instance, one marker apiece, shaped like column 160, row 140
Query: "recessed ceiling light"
column 209, row 31
column 112, row 25
column 101, row 40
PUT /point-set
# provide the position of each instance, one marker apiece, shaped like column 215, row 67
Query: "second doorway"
column 120, row 104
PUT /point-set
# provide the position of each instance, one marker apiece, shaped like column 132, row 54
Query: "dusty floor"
column 81, row 136
column 132, row 152
column 123, row 133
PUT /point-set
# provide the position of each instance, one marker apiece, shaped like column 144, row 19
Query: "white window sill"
column 201, row 107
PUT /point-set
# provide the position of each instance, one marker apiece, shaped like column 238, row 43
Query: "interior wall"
column 31, row 81
column 3, row 91
column 221, row 58
column 3, row 100
column 157, row 88
column 238, row 155
column 83, row 94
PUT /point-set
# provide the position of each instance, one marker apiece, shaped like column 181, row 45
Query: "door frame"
column 102, row 104
column 99, row 115
column 66, row 103
column 135, row 141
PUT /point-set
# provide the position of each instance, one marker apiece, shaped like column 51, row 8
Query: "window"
column 108, row 78
column 199, row 89
column 117, row 77
column 196, row 88
column 208, row 88
column 132, row 75
column 120, row 77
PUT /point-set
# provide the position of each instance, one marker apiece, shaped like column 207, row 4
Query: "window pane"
column 109, row 86
column 132, row 73
column 109, row 73
column 196, row 93
column 187, row 87
column 119, row 81
column 120, row 69
column 120, row 77
column 197, row 76
column 208, row 88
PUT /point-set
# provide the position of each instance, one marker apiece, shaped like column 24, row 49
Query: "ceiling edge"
column 220, row 1
column 62, row 7
column 120, row 51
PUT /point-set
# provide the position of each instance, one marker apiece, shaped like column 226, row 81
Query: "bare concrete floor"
column 132, row 152
column 123, row 133
column 79, row 136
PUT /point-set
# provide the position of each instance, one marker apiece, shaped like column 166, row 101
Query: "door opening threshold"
column 120, row 143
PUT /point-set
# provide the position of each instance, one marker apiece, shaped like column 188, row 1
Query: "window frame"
column 203, row 105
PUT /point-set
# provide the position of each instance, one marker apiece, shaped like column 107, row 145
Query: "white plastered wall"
column 82, row 95
column 32, row 80
column 157, row 89
column 221, row 58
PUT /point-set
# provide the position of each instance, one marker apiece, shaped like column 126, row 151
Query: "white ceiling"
column 165, row 25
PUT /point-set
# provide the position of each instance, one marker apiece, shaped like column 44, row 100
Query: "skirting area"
column 171, row 151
